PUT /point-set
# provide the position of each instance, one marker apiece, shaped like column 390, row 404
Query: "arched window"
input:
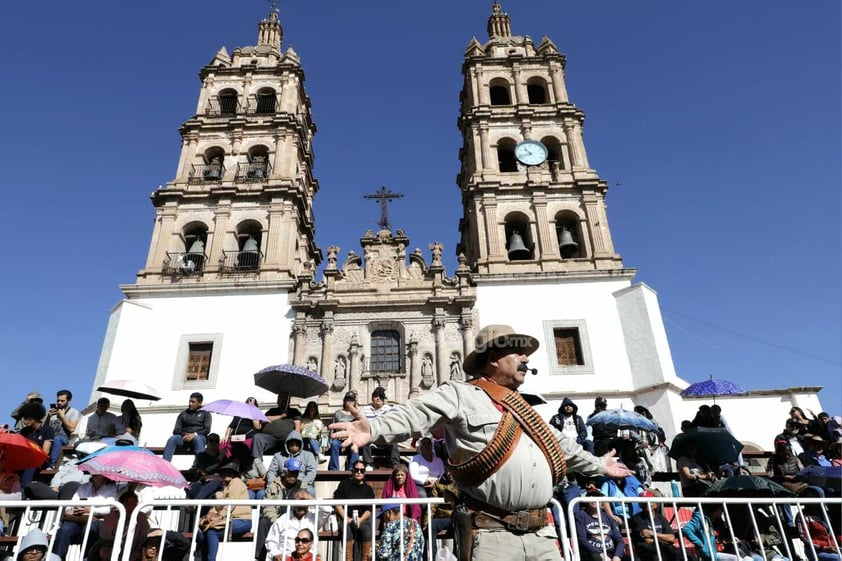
column 499, row 92
column 553, row 151
column 519, row 246
column 248, row 242
column 536, row 90
column 506, row 155
column 386, row 352
column 265, row 101
column 211, row 170
column 257, row 169
column 195, row 238
column 569, row 235
column 228, row 102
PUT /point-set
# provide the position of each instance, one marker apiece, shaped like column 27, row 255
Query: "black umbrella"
column 715, row 446
column 747, row 486
column 297, row 381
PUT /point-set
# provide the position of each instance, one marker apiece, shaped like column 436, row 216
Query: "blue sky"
column 719, row 120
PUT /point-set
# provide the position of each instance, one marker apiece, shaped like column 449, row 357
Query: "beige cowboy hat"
column 497, row 337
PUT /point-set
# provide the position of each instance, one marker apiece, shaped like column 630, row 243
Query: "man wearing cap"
column 281, row 488
column 31, row 397
column 506, row 476
column 814, row 452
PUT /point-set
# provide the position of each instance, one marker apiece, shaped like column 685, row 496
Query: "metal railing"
column 393, row 364
column 235, row 262
column 253, row 172
column 225, row 107
column 206, row 173
column 184, row 263
column 47, row 516
column 262, row 105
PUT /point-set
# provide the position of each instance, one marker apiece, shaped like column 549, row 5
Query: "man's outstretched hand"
column 613, row 468
column 356, row 433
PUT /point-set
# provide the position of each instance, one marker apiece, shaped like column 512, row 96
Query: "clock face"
column 531, row 152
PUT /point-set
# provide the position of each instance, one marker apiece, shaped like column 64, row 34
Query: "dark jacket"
column 557, row 420
column 192, row 421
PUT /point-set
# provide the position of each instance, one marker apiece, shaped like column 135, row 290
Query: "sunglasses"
column 358, row 470
column 302, row 540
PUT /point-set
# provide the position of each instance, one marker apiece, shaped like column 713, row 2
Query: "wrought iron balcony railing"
column 225, row 107
column 262, row 105
column 206, row 173
column 184, row 263
column 236, row 262
column 253, row 172
column 387, row 364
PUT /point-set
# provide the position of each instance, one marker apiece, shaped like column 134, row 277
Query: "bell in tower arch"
column 517, row 249
column 566, row 244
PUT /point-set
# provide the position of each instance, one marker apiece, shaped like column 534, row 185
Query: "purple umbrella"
column 297, row 381
column 235, row 409
column 713, row 388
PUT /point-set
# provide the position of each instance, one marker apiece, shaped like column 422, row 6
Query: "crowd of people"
column 496, row 462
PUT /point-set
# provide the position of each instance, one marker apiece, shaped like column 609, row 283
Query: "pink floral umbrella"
column 137, row 466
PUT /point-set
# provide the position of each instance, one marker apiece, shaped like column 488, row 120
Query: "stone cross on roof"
column 384, row 196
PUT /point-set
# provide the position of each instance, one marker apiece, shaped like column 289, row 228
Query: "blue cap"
column 387, row 507
column 292, row 464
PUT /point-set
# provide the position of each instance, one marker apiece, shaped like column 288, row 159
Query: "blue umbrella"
column 713, row 388
column 297, row 381
column 109, row 449
column 622, row 418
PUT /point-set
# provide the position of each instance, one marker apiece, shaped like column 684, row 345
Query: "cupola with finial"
column 271, row 34
column 499, row 24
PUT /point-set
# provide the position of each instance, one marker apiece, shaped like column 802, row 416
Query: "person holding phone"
column 63, row 419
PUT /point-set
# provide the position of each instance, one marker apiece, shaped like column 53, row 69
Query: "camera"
column 53, row 406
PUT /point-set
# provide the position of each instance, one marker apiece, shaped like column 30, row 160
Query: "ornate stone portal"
column 384, row 297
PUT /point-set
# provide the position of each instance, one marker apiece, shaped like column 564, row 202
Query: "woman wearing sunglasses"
column 303, row 543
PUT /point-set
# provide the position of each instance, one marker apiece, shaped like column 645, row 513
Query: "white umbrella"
column 130, row 388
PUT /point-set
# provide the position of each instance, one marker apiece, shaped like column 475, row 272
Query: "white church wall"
column 529, row 307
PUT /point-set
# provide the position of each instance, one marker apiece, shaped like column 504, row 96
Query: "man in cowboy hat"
column 506, row 476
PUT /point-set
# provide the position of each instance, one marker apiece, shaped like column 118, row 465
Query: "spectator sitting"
column 63, row 419
column 653, row 443
column 239, row 436
column 628, row 486
column 599, row 434
column 818, row 536
column 783, row 468
column 212, row 524
column 192, row 427
column 814, row 453
column 569, row 422
column 342, row 416
column 793, row 436
column 280, row 540
column 701, row 534
column 33, row 546
column 303, row 542
column 598, row 535
column 377, row 408
column 104, row 545
column 311, row 429
column 31, row 397
column 402, row 538
column 282, row 488
column 425, row 468
column 820, row 426
column 695, row 475
column 283, row 419
column 32, row 415
column 651, row 533
column 294, row 449
column 129, row 420
column 63, row 484
column 207, row 481
column 101, row 423
column 355, row 517
column 76, row 518
column 400, row 485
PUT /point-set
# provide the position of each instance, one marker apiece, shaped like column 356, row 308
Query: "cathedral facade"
column 234, row 280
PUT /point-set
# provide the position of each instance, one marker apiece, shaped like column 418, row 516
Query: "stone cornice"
column 553, row 276
column 229, row 288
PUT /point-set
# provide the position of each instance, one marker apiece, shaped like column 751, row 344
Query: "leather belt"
column 484, row 516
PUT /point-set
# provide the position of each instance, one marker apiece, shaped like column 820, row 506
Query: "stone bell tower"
column 528, row 208
column 240, row 206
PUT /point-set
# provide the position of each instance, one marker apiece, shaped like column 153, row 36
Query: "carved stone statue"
column 313, row 364
column 436, row 248
column 456, row 367
column 332, row 252
column 339, row 369
column 427, row 374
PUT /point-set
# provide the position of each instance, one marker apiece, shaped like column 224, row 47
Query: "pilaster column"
column 220, row 225
column 483, row 91
column 575, row 157
column 188, row 152
column 354, row 375
column 579, row 143
column 545, row 237
column 299, row 340
column 593, row 221
column 485, row 147
column 439, row 325
column 273, row 240
column 520, row 95
column 489, row 212
column 326, row 332
column 165, row 232
column 559, row 88
column 466, row 326
column 278, row 156
column 414, row 367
